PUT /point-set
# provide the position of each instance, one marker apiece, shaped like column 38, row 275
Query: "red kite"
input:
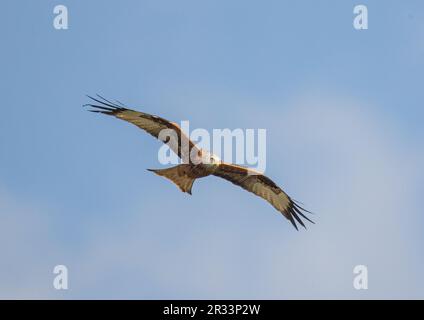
column 203, row 163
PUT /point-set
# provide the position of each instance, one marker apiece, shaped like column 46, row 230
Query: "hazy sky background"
column 344, row 115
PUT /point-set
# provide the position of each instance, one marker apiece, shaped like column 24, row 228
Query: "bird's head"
column 214, row 159
column 210, row 158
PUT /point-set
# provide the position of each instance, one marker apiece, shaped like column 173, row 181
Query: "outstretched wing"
column 265, row 188
column 154, row 125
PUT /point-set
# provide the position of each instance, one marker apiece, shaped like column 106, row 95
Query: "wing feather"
column 150, row 123
column 265, row 188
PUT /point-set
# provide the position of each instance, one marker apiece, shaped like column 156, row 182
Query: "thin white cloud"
column 335, row 153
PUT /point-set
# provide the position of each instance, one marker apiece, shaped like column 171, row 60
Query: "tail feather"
column 178, row 175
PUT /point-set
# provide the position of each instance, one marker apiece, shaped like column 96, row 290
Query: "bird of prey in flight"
column 203, row 163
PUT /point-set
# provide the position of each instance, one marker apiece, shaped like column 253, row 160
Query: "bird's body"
column 184, row 175
column 200, row 163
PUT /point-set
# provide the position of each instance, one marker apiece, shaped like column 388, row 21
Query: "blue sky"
column 343, row 113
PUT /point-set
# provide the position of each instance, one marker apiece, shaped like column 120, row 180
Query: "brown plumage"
column 185, row 174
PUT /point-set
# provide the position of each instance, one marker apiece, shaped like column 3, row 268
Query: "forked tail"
column 178, row 175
